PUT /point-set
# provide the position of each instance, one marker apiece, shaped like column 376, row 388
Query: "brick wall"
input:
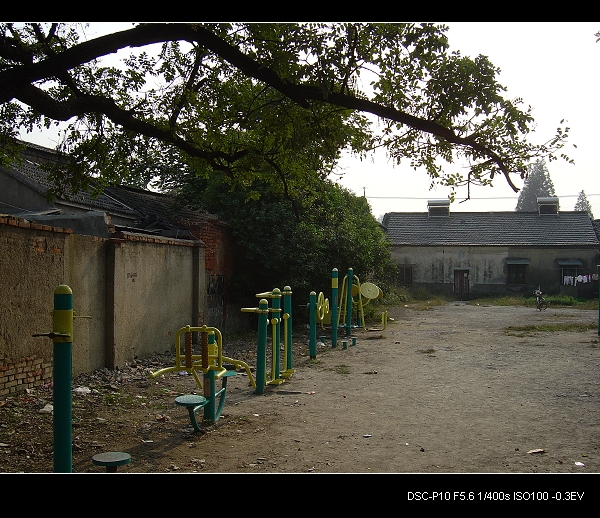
column 220, row 246
column 27, row 373
column 130, row 293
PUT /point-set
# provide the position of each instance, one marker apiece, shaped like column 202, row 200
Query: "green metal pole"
column 210, row 409
column 349, row 302
column 209, row 385
column 312, row 342
column 287, row 308
column 62, row 324
column 334, row 308
column 276, row 305
column 261, row 348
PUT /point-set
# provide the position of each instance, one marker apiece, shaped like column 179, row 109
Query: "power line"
column 472, row 198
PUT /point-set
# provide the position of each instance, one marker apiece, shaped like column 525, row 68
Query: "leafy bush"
column 559, row 300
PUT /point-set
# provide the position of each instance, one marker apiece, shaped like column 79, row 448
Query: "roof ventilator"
column 438, row 207
column 548, row 205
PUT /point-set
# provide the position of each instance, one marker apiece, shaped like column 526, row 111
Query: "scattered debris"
column 48, row 409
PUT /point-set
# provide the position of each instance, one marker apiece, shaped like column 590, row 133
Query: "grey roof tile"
column 491, row 228
column 37, row 178
column 150, row 210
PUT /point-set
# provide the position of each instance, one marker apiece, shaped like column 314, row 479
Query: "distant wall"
column 155, row 293
column 433, row 268
column 137, row 291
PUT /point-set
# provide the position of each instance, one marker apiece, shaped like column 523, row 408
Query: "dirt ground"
column 450, row 389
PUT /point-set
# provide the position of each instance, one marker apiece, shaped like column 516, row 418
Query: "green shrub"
column 395, row 297
column 560, row 300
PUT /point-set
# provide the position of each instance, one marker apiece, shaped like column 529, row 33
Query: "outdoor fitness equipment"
column 62, row 337
column 351, row 288
column 276, row 377
column 193, row 363
column 210, row 362
column 323, row 312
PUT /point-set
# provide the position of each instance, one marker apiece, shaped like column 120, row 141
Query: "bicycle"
column 539, row 300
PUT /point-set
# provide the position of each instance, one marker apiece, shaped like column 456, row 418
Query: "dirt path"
column 446, row 390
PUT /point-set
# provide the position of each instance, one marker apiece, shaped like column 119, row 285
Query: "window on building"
column 569, row 270
column 516, row 269
column 566, row 273
column 405, row 276
column 516, row 273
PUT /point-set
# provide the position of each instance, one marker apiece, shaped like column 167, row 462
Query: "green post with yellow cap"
column 334, row 309
column 287, row 310
column 62, row 336
column 312, row 340
column 276, row 340
column 261, row 348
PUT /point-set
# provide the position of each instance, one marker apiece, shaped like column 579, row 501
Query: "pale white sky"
column 552, row 66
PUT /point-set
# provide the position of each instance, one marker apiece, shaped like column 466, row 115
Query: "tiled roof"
column 491, row 228
column 157, row 209
column 150, row 210
column 30, row 172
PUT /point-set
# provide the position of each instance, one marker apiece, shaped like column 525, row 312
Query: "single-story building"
column 23, row 193
column 474, row 254
column 139, row 268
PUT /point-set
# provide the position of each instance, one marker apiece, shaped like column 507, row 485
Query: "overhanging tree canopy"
column 263, row 101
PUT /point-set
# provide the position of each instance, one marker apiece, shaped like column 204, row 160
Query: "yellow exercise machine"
column 211, row 363
column 353, row 294
column 211, row 356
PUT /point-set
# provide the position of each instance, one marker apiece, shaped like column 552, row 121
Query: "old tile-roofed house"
column 25, row 184
column 478, row 253
column 119, row 209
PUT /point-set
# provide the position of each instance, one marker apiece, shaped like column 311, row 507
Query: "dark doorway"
column 215, row 290
column 461, row 284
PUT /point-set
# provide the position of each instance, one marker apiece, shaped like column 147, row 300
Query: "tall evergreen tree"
column 582, row 204
column 537, row 184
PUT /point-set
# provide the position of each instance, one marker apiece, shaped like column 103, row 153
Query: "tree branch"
column 84, row 104
column 17, row 83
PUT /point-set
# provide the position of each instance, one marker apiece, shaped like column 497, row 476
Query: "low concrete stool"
column 111, row 460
